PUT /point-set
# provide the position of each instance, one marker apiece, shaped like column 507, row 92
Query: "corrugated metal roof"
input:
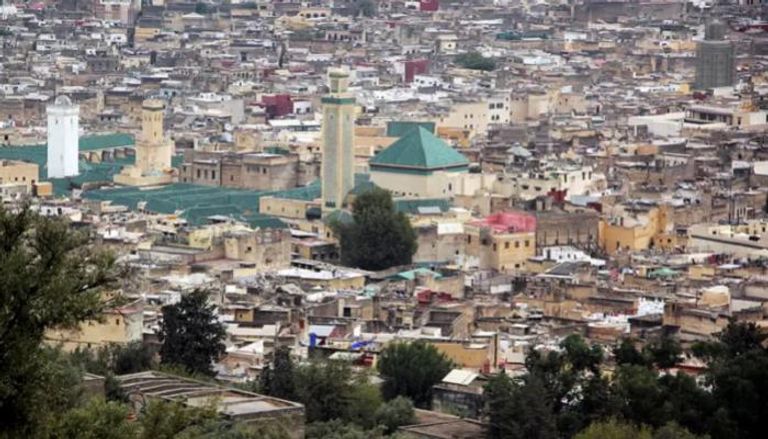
column 460, row 377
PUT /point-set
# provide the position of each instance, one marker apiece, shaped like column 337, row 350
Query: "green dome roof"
column 419, row 149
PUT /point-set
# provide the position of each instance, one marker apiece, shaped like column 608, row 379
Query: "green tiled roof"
column 401, row 128
column 89, row 172
column 419, row 149
column 411, row 274
column 90, row 143
column 197, row 203
column 411, row 206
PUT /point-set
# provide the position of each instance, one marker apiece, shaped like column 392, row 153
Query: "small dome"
column 63, row 100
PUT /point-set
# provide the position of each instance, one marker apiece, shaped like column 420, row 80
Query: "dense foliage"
column 115, row 359
column 366, row 8
column 192, row 336
column 52, row 278
column 476, row 61
column 565, row 393
column 378, row 237
column 339, row 401
column 98, row 419
column 278, row 378
column 411, row 369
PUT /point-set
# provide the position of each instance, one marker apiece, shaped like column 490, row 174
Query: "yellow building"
column 18, row 172
column 285, row 207
column 476, row 356
column 503, row 241
column 264, row 248
column 633, row 229
column 143, row 34
column 471, row 116
column 324, row 275
column 118, row 325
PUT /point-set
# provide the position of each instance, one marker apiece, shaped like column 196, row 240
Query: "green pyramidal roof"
column 419, row 149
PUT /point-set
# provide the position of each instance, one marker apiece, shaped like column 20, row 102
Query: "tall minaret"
column 63, row 138
column 338, row 168
column 153, row 151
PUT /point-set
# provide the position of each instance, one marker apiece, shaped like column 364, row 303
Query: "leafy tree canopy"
column 278, row 378
column 97, row 419
column 51, row 278
column 614, row 430
column 366, row 8
column 411, row 369
column 378, row 237
column 394, row 414
column 191, row 334
column 476, row 61
column 520, row 411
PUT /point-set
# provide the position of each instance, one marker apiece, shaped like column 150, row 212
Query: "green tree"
column 338, row 429
column 664, row 351
column 598, row 401
column 673, row 430
column 98, row 419
column 325, row 389
column 614, row 430
column 379, row 237
column 736, row 339
column 519, row 411
column 223, row 429
column 411, row 369
column 640, row 394
column 498, row 392
column 51, row 278
column 684, row 402
column 581, row 355
column 201, row 8
column 364, row 402
column 556, row 374
column 278, row 378
column 739, row 381
column 171, row 420
column 626, row 353
column 394, row 414
column 366, row 8
column 329, row 390
column 476, row 61
column 116, row 358
column 159, row 420
column 192, row 336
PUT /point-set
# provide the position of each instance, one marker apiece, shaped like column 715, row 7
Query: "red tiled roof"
column 508, row 222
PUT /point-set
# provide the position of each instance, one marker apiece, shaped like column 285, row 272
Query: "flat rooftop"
column 230, row 402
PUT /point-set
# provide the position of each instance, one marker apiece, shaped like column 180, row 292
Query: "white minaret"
column 63, row 129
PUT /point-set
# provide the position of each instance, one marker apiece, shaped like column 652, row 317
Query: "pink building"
column 429, row 5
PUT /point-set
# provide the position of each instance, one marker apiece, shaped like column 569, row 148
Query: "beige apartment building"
column 19, row 172
column 120, row 325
